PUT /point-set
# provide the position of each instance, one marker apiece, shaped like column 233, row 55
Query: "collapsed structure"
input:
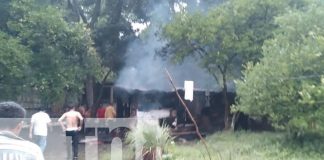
column 207, row 106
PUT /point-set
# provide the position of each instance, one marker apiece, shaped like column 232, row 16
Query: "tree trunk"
column 226, row 104
column 234, row 120
column 101, row 89
column 117, row 12
column 96, row 14
column 89, row 91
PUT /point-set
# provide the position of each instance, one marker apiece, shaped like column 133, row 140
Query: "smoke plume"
column 145, row 70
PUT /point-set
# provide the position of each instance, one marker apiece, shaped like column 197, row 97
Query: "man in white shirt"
column 12, row 147
column 38, row 128
column 73, row 122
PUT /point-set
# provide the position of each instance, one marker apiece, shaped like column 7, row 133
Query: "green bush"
column 287, row 84
column 151, row 137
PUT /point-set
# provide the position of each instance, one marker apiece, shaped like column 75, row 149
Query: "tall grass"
column 228, row 146
column 249, row 146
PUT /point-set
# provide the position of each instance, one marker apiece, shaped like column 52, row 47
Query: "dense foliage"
column 224, row 38
column 68, row 41
column 287, row 84
column 55, row 49
column 14, row 60
column 53, row 57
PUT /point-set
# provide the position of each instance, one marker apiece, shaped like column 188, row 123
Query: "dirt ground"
column 56, row 146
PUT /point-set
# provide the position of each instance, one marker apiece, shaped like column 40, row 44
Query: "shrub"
column 287, row 84
column 151, row 137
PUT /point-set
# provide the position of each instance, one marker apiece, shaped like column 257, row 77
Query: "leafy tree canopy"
column 224, row 38
column 287, row 84
column 14, row 60
column 62, row 53
column 236, row 28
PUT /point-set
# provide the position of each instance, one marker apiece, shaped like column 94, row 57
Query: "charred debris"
column 207, row 107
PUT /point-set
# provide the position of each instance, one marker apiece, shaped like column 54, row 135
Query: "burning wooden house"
column 207, row 106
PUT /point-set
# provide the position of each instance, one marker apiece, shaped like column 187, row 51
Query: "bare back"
column 72, row 119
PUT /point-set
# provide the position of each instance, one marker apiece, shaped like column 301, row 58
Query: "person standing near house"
column 100, row 114
column 101, row 111
column 38, row 128
column 11, row 145
column 110, row 112
column 73, row 122
column 82, row 110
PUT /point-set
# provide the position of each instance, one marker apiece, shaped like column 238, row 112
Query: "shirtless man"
column 72, row 126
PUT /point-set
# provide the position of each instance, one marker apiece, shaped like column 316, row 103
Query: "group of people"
column 106, row 111
column 12, row 116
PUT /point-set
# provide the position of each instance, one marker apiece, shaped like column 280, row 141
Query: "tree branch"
column 190, row 115
column 213, row 74
column 231, row 58
column 80, row 11
column 225, row 66
column 96, row 104
column 222, row 70
column 115, row 18
column 96, row 13
column 198, row 48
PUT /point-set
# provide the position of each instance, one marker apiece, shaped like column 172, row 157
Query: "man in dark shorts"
column 73, row 122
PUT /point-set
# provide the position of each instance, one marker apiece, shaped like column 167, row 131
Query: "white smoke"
column 145, row 70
